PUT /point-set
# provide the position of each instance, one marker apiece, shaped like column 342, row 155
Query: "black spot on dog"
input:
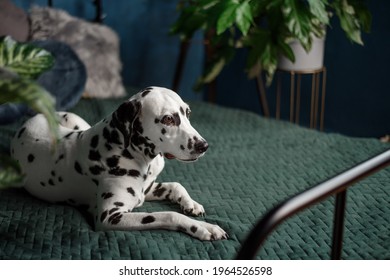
column 68, row 135
column 53, row 173
column 115, row 218
column 148, row 188
column 190, row 144
column 146, row 92
column 62, row 156
column 159, row 190
column 131, row 191
column 21, row 131
column 193, row 229
column 113, row 210
column 103, row 216
column 76, row 127
column 30, row 158
column 116, row 171
column 119, row 204
column 182, row 111
column 148, row 220
column 182, row 147
column 156, row 120
column 107, row 195
column 77, row 167
column 161, row 140
column 111, row 137
column 94, row 141
column 60, row 179
column 168, row 196
column 43, row 184
column 108, row 147
column 113, row 161
column 51, row 183
column 180, row 228
column 96, row 169
column 127, row 154
column 163, row 131
column 94, row 155
column 133, row 173
column 176, row 118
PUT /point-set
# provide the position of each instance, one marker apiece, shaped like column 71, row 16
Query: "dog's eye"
column 168, row 120
column 188, row 113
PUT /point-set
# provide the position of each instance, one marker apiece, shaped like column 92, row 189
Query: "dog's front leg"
column 162, row 220
column 116, row 200
column 174, row 192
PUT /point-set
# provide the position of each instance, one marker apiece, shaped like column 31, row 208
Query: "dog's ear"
column 124, row 118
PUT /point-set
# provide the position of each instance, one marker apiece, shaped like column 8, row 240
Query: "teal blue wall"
column 358, row 95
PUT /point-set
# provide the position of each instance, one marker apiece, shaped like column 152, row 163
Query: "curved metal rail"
column 337, row 185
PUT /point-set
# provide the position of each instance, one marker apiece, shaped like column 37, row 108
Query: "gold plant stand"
column 317, row 101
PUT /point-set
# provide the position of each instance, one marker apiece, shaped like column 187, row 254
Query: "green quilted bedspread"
column 252, row 164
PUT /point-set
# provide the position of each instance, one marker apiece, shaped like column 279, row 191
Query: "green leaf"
column 298, row 21
column 244, row 17
column 286, row 50
column 318, row 9
column 348, row 21
column 263, row 52
column 10, row 172
column 15, row 89
column 24, row 59
column 227, row 17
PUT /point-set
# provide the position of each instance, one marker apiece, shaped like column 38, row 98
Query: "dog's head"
column 160, row 124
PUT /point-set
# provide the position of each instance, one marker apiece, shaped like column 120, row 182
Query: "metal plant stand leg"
column 262, row 95
column 317, row 98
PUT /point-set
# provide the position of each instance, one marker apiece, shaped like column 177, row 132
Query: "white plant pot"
column 304, row 61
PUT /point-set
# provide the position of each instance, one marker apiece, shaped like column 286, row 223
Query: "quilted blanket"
column 252, row 164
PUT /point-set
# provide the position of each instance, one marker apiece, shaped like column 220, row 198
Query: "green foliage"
column 19, row 65
column 10, row 172
column 17, row 89
column 265, row 27
column 26, row 60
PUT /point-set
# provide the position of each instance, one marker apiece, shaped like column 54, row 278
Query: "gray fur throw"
column 96, row 45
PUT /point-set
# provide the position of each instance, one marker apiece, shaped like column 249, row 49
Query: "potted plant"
column 20, row 64
column 267, row 28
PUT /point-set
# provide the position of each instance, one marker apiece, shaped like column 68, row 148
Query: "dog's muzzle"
column 199, row 148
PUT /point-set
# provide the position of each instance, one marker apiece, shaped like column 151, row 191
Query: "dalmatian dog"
column 111, row 168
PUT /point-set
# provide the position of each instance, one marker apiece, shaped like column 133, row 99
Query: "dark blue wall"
column 358, row 95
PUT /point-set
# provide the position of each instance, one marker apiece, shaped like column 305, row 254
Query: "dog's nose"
column 201, row 147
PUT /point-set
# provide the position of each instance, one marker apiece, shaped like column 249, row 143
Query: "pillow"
column 96, row 45
column 13, row 21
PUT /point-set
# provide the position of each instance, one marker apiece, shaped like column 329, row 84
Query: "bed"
column 253, row 164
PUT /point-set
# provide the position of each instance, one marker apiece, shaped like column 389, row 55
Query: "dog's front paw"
column 191, row 207
column 210, row 232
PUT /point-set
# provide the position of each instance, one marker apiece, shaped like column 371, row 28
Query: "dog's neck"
column 126, row 139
